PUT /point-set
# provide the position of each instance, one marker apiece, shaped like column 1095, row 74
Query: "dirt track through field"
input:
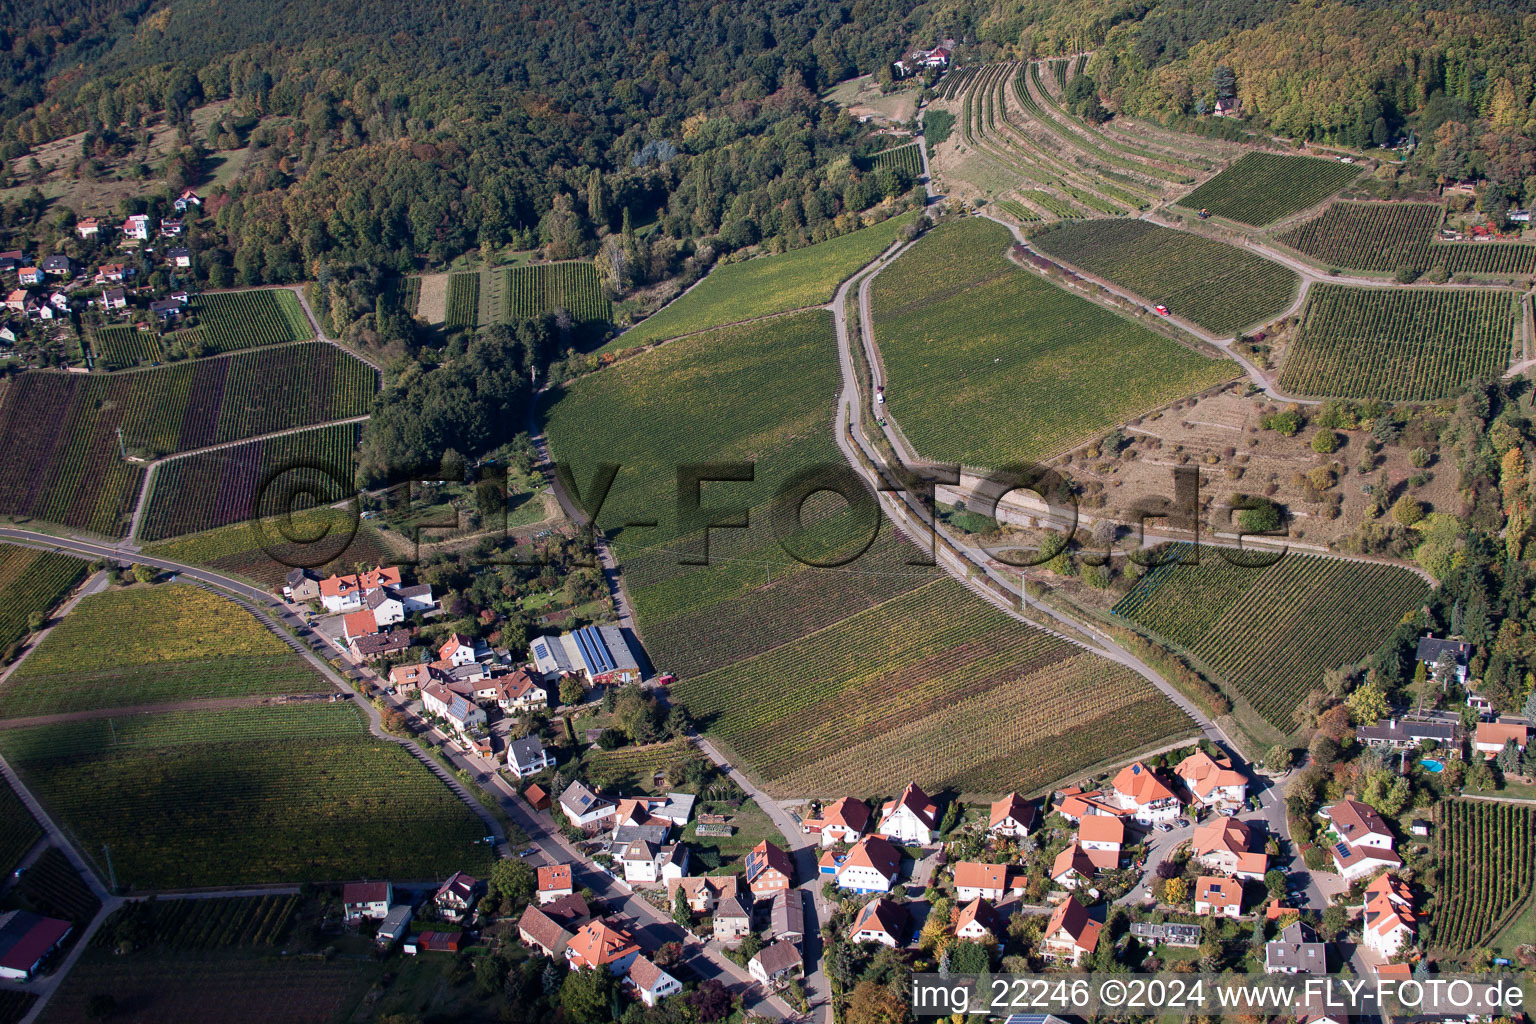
column 432, row 303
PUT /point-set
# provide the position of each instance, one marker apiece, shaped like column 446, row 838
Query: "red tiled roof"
column 1141, row 784
column 1219, row 892
column 600, row 943
column 555, row 878
column 973, row 875
column 1070, row 916
column 1101, row 828
column 1012, row 806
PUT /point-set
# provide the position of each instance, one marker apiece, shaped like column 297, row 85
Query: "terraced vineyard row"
column 1398, row 345
column 1018, row 211
column 246, row 796
column 1272, row 632
column 258, row 479
column 1039, row 104
column 954, row 82
column 971, row 344
column 229, row 321
column 33, row 582
column 1487, row 865
column 1220, row 287
column 1262, row 188
column 62, row 429
column 1387, row 237
column 463, row 301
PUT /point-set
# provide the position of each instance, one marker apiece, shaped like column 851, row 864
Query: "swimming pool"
column 1431, row 765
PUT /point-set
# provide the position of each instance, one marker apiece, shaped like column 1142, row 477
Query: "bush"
column 1406, row 275
column 1287, row 423
column 1418, row 458
column 1264, row 517
column 1325, row 442
column 1407, row 510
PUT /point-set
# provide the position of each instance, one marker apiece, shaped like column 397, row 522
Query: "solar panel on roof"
column 1342, row 849
column 1026, row 1018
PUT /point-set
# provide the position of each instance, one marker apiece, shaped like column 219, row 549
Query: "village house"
column 459, row 650
column 600, row 654
column 356, row 624
column 521, row 690
column 974, row 880
column 1296, row 951
column 1102, row 837
column 527, row 756
column 537, row 930
column 911, row 819
column 978, row 922
column 137, row 227
column 457, row 897
column 11, row 259
column 1230, row 846
column 186, row 200
column 1431, row 648
column 776, row 964
column 463, row 715
column 554, row 882
column 407, row 678
column 112, row 298
column 341, row 594
column 1073, row 868
column 59, row 301
column 1212, row 781
column 1216, row 896
column 1141, row 791
column 703, row 893
column 645, row 864
column 768, row 870
column 879, row 920
column 1491, row 737
column 1410, row 732
column 786, row 915
column 88, row 227
column 366, row 899
column 585, row 809
column 1012, row 816
column 1482, row 705
column 29, row 275
column 602, row 944
column 59, row 265
column 113, row 273
column 649, row 982
column 732, row 920
column 16, row 300
column 1070, row 934
column 873, row 865
column 27, row 940
column 1366, row 843
column 1388, row 918
column 377, row 646
column 842, row 821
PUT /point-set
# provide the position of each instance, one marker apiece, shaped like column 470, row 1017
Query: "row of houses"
column 561, row 926
column 455, row 901
column 1143, row 795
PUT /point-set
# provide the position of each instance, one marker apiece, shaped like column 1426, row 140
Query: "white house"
column 584, row 808
column 843, row 821
column 137, row 227
column 1012, row 816
column 880, row 921
column 366, row 899
column 1072, row 868
column 456, row 898
column 1102, row 836
column 974, row 880
column 1388, row 918
column 527, row 756
column 645, row 864
column 1231, row 846
column 554, row 882
column 187, row 199
column 1070, row 934
column 873, row 865
column 911, row 818
column 387, row 608
column 461, row 650
column 776, row 964
column 1218, row 896
column 1366, row 843
column 88, row 227
column 651, row 983
column 1212, row 781
column 461, row 713
column 340, row 594
column 1141, row 791
column 978, row 922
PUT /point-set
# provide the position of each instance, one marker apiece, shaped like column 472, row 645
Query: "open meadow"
column 246, row 796
column 1261, row 188
column 1272, row 632
column 1399, row 345
column 61, row 430
column 149, row 645
column 764, row 285
column 987, row 363
column 1220, row 287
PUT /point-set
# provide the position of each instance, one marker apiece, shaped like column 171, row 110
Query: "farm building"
column 539, row 931
column 786, row 915
column 26, row 940
column 600, row 653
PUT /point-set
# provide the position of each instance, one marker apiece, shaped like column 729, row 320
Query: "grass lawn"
column 626, row 769
column 153, row 644
column 752, row 826
column 767, row 284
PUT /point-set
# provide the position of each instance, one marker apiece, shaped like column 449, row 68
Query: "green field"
column 246, row 796
column 326, row 539
column 819, row 679
column 1262, row 188
column 1399, row 345
column 61, row 430
column 767, row 284
column 150, row 645
column 1217, row 286
column 988, row 364
column 33, row 582
column 1384, row 238
column 224, row 486
column 234, row 320
column 906, row 158
column 1272, row 632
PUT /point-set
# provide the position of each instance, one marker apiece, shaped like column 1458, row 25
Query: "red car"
column 1162, row 310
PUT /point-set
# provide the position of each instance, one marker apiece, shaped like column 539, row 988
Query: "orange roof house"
column 601, row 944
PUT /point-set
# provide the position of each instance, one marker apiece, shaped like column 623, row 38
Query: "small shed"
column 537, row 798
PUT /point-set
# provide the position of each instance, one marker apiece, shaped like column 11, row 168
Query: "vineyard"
column 246, row 796
column 989, row 364
column 402, row 294
column 1217, row 286
column 1398, row 345
column 767, row 284
column 906, row 687
column 19, row 832
column 463, row 301
column 1262, row 188
column 119, row 347
column 150, row 645
column 1387, row 237
column 1272, row 632
column 54, row 888
column 62, row 429
column 229, row 321
column 33, row 581
column 905, row 158
column 1018, row 211
column 532, row 291
column 220, row 487
column 15, row 1005
column 201, row 925
column 1487, row 864
column 629, row 768
column 334, row 539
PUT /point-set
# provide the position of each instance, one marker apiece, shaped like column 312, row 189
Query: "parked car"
column 1163, row 826
column 1161, row 310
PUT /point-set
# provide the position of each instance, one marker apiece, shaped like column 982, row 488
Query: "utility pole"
column 121, row 450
